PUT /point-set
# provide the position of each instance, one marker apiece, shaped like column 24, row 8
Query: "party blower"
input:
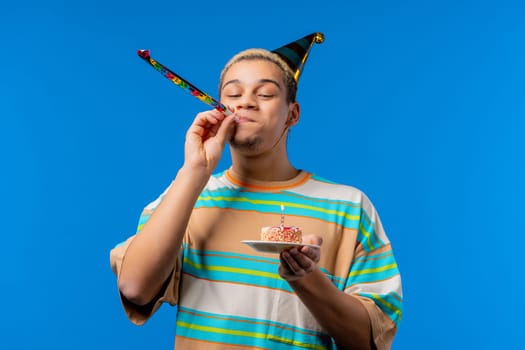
column 294, row 55
column 183, row 83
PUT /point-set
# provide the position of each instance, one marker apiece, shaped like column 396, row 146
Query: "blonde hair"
column 265, row 55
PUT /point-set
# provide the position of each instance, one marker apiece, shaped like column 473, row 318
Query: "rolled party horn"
column 183, row 83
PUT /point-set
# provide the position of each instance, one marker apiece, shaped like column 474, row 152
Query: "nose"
column 246, row 101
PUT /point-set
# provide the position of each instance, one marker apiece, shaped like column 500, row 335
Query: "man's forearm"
column 342, row 315
column 151, row 256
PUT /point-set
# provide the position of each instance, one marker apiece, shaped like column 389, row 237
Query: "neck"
column 269, row 166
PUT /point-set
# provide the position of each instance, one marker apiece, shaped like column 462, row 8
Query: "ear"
column 293, row 114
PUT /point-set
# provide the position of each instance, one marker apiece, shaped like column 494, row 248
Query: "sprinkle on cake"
column 281, row 233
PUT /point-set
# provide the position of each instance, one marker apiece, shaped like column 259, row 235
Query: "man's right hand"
column 206, row 138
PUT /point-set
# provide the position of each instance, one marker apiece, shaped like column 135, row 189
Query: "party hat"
column 296, row 53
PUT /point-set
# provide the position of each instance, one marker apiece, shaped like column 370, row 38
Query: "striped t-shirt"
column 230, row 296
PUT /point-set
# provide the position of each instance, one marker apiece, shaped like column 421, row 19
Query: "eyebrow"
column 260, row 81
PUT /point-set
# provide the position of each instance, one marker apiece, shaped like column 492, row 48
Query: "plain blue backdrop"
column 418, row 103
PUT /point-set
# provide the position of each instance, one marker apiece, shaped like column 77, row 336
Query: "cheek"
column 278, row 113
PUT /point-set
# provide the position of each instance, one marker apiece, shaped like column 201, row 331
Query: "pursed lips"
column 244, row 119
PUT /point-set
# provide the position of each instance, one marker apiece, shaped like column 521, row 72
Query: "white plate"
column 275, row 247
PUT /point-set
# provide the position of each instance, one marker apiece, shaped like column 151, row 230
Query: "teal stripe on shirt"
column 366, row 234
column 391, row 304
column 370, row 273
column 278, row 197
column 256, row 271
column 217, row 268
column 373, row 263
column 247, row 331
column 342, row 213
column 345, row 213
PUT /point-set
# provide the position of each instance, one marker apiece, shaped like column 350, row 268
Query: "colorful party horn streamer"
column 183, row 83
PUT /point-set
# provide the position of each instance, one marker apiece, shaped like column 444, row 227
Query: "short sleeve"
column 374, row 277
column 169, row 292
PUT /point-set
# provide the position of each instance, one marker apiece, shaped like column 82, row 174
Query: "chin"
column 245, row 143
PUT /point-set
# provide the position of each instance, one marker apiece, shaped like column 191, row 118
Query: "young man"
column 188, row 250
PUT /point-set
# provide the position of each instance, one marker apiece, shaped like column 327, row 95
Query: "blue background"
column 418, row 103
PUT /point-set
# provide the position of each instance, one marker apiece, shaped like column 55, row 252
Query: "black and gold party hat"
column 296, row 53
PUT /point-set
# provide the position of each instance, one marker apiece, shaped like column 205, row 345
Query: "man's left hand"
column 298, row 262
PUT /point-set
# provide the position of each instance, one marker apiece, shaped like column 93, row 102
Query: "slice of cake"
column 281, row 233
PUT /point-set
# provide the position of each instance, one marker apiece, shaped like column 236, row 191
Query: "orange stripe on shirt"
column 267, row 188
